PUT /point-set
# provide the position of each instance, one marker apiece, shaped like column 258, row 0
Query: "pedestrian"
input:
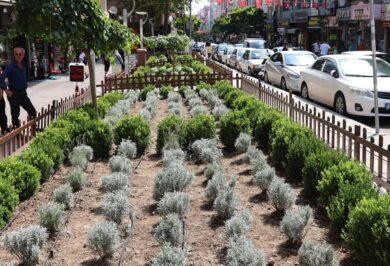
column 316, row 47
column 83, row 58
column 107, row 64
column 361, row 46
column 3, row 116
column 17, row 87
column 324, row 48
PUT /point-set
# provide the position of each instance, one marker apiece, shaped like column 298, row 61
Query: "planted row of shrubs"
column 343, row 186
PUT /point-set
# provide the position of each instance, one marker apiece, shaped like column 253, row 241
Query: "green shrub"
column 200, row 127
column 105, row 102
column 145, row 91
column 24, row 177
column 346, row 199
column 50, row 149
column 99, row 137
column 165, row 90
column 232, row 124
column 171, row 125
column 40, row 160
column 202, row 85
column 282, row 135
column 8, row 200
column 252, row 106
column 182, row 89
column 334, row 177
column 135, row 129
column 223, row 87
column 264, row 124
column 94, row 113
column 367, row 232
column 299, row 149
column 57, row 136
column 314, row 165
column 79, row 119
column 232, row 96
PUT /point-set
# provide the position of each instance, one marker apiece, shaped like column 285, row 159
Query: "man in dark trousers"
column 17, row 86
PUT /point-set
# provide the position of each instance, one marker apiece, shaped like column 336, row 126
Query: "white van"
column 257, row 43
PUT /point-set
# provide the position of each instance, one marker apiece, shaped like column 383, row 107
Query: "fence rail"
column 162, row 63
column 351, row 141
column 19, row 137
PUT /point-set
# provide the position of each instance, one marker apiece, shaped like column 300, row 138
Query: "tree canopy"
column 182, row 23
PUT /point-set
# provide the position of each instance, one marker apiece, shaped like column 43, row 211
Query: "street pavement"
column 43, row 92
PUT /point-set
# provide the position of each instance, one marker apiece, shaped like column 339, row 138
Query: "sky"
column 198, row 4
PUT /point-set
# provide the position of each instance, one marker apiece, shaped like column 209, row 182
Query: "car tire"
column 305, row 91
column 266, row 80
column 340, row 105
column 283, row 84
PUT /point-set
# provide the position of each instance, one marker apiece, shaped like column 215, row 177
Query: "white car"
column 283, row 68
column 256, row 43
column 226, row 54
column 345, row 82
column 252, row 60
column 235, row 57
column 380, row 55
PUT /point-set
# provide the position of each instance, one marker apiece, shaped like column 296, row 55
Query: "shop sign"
column 332, row 22
column 386, row 12
column 299, row 16
column 313, row 12
column 314, row 22
column 281, row 30
column 362, row 11
column 269, row 26
column 343, row 14
column 76, row 72
column 333, row 37
column 386, row 24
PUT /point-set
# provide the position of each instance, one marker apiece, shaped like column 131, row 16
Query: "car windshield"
column 222, row 48
column 230, row 50
column 385, row 57
column 258, row 54
column 362, row 67
column 257, row 45
column 299, row 59
column 240, row 53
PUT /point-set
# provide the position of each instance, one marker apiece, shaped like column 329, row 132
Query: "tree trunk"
column 92, row 82
column 166, row 17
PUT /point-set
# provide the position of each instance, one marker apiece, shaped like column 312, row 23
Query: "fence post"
column 290, row 103
column 53, row 110
column 357, row 143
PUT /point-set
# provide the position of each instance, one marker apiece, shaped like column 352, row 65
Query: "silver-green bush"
column 238, row 225
column 281, row 194
column 170, row 256
column 83, row 150
column 64, row 195
column 217, row 183
column 211, row 169
column 115, row 206
column 115, row 181
column 204, row 93
column 197, row 110
column 219, row 111
column 127, row 148
column 242, row 252
column 76, row 179
column 295, row 223
column 314, row 254
column 173, row 202
column 252, row 154
column 174, row 96
column 206, row 151
column 78, row 160
column 194, row 102
column 120, row 164
column 145, row 114
column 170, row 231
column 173, row 156
column 170, row 179
column 103, row 239
column 264, row 177
column 243, row 142
column 51, row 216
column 258, row 164
column 26, row 243
column 226, row 202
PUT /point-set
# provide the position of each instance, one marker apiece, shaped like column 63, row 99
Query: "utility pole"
column 125, row 16
column 374, row 67
column 191, row 19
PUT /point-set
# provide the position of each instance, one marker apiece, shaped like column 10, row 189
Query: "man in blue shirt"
column 17, row 86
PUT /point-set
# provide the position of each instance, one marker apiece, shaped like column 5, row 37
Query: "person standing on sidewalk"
column 17, row 87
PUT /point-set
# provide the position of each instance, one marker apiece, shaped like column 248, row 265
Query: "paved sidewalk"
column 43, row 92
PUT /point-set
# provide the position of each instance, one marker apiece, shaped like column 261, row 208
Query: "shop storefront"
column 386, row 26
column 343, row 16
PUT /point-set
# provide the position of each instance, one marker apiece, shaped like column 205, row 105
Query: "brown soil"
column 205, row 236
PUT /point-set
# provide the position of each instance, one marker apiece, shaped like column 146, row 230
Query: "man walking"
column 324, row 48
column 17, row 86
column 316, row 47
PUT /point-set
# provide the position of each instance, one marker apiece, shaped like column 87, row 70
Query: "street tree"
column 80, row 24
column 181, row 22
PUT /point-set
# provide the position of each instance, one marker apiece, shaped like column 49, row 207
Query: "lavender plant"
column 170, row 231
column 115, row 182
column 76, row 179
column 264, row 178
column 238, row 225
column 103, row 239
column 63, row 195
column 281, row 194
column 314, row 254
column 213, row 168
column 51, row 216
column 243, row 142
column 242, row 252
column 173, row 202
column 295, row 223
column 226, row 202
column 115, row 206
column 170, row 256
column 121, row 164
column 127, row 148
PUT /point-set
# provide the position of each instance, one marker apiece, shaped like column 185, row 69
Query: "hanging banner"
column 268, row 2
column 242, row 3
column 286, row 4
column 277, row 2
column 258, row 4
column 219, row 2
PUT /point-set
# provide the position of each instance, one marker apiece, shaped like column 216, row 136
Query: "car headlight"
column 293, row 75
column 361, row 92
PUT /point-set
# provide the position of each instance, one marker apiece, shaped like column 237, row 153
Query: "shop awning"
column 292, row 31
column 7, row 2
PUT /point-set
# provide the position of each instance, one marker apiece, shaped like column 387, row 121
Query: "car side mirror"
column 334, row 73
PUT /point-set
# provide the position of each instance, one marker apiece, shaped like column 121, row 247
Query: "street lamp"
column 141, row 25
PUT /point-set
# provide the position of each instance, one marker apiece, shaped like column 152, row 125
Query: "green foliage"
column 224, row 87
column 348, row 196
column 313, row 254
column 99, row 137
column 165, row 90
column 167, row 42
column 105, row 102
column 367, row 232
column 50, row 149
column 264, row 124
column 24, row 177
column 171, row 125
column 299, row 149
column 40, row 160
column 51, row 216
column 8, row 200
column 283, row 134
column 200, row 127
column 232, row 124
column 334, row 177
column 170, row 231
column 313, row 167
column 103, row 239
column 232, row 96
column 79, row 120
column 57, row 136
column 76, row 179
column 135, row 129
column 145, row 90
column 182, row 21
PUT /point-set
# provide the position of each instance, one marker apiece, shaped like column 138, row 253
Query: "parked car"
column 257, row 43
column 235, row 56
column 239, row 45
column 283, row 68
column 214, row 51
column 252, row 59
column 199, row 47
column 220, row 51
column 226, row 54
column 380, row 55
column 280, row 49
column 345, row 82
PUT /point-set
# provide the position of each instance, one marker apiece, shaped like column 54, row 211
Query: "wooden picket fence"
column 351, row 141
column 18, row 138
